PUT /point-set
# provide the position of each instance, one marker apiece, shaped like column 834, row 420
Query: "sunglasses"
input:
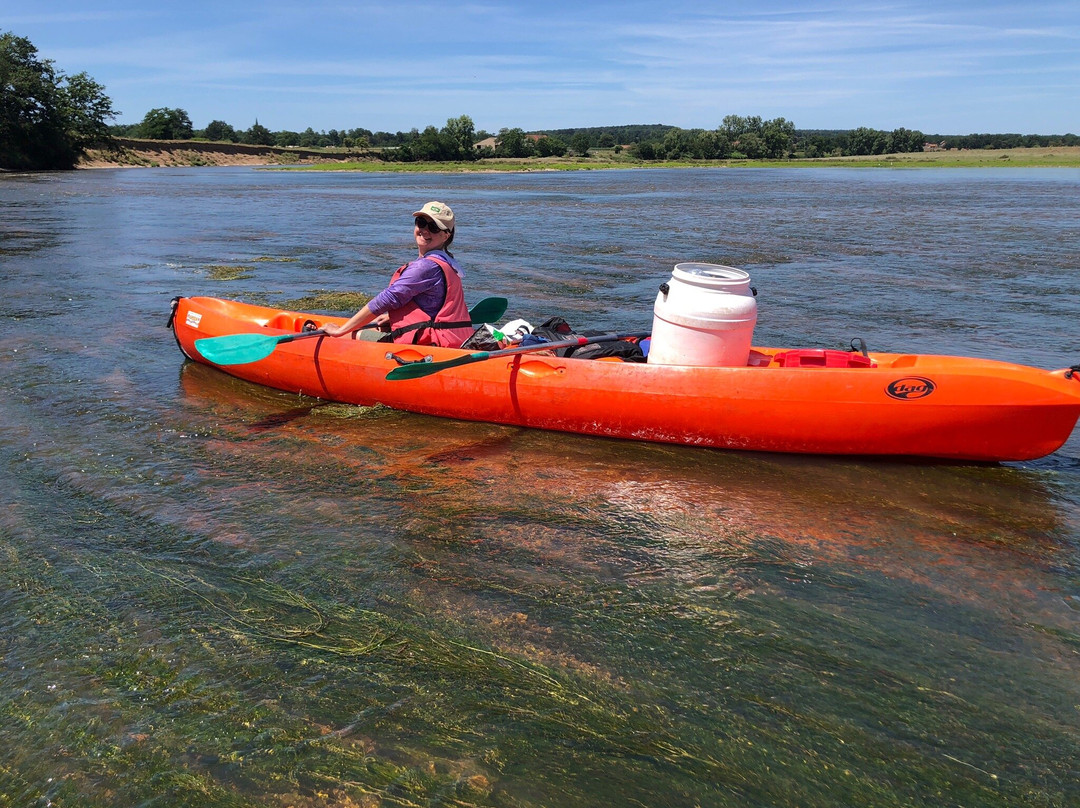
column 427, row 224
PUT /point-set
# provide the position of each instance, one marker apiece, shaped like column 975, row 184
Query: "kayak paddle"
column 417, row 370
column 488, row 310
column 240, row 349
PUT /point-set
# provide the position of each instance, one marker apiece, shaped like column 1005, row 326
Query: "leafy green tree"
column 164, row 123
column 221, row 131
column 514, row 143
column 751, row 144
column 286, row 138
column 550, row 147
column 84, row 108
column 714, row 145
column 677, row 144
column 458, row 136
column 606, row 141
column 431, row 146
column 735, row 126
column 47, row 120
column 818, row 146
column 258, row 135
column 778, row 137
column 732, row 126
column 123, row 129
column 580, row 143
column 902, row 141
column 863, row 141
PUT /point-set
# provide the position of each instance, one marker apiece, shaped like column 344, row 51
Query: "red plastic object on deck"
column 815, row 358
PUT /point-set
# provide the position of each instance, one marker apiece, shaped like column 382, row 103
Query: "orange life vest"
column 451, row 325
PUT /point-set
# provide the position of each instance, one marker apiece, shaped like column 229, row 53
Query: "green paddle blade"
column 488, row 310
column 238, row 349
column 417, row 370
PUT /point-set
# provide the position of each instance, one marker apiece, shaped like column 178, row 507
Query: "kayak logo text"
column 910, row 388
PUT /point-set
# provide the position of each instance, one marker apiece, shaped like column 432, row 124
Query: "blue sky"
column 952, row 67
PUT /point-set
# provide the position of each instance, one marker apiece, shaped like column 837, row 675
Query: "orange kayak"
column 805, row 401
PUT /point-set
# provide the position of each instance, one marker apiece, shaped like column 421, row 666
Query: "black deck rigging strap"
column 858, row 345
column 405, row 329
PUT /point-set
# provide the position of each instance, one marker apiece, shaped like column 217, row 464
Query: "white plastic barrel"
column 704, row 315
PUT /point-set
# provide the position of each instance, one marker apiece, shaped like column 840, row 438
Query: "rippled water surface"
column 217, row 594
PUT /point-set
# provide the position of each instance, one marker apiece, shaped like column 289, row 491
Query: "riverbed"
column 218, row 594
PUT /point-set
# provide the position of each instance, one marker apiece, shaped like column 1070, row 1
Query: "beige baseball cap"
column 438, row 213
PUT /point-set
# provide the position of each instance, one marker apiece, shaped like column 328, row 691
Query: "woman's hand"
column 358, row 320
column 332, row 330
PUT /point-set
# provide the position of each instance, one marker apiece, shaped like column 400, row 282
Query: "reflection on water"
column 237, row 596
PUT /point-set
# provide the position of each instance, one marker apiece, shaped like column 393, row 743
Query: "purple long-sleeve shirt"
column 421, row 282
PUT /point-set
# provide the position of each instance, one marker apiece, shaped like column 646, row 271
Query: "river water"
column 217, row 594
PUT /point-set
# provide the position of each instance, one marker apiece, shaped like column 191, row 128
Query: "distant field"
column 1065, row 156
column 1061, row 156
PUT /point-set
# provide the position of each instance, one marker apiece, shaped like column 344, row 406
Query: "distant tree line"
column 737, row 137
column 456, row 141
column 860, row 142
column 459, row 140
column 1004, row 141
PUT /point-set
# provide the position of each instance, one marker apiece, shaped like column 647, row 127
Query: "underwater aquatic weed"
column 327, row 301
column 223, row 272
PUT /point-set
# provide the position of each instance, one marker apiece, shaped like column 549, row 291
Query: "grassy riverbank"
column 1058, row 157
column 1062, row 157
column 185, row 153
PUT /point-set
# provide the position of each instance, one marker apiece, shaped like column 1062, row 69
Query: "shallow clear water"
column 217, row 594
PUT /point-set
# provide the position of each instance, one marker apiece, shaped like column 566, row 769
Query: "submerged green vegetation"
column 483, row 657
column 327, row 300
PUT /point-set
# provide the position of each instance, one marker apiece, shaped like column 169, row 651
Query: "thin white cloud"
column 566, row 64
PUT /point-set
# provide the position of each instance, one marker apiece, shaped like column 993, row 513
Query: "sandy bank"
column 159, row 153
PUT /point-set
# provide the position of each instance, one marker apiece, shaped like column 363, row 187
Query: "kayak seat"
column 286, row 322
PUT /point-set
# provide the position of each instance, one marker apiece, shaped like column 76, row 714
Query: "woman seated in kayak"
column 424, row 303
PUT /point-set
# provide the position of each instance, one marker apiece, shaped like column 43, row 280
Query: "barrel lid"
column 709, row 274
